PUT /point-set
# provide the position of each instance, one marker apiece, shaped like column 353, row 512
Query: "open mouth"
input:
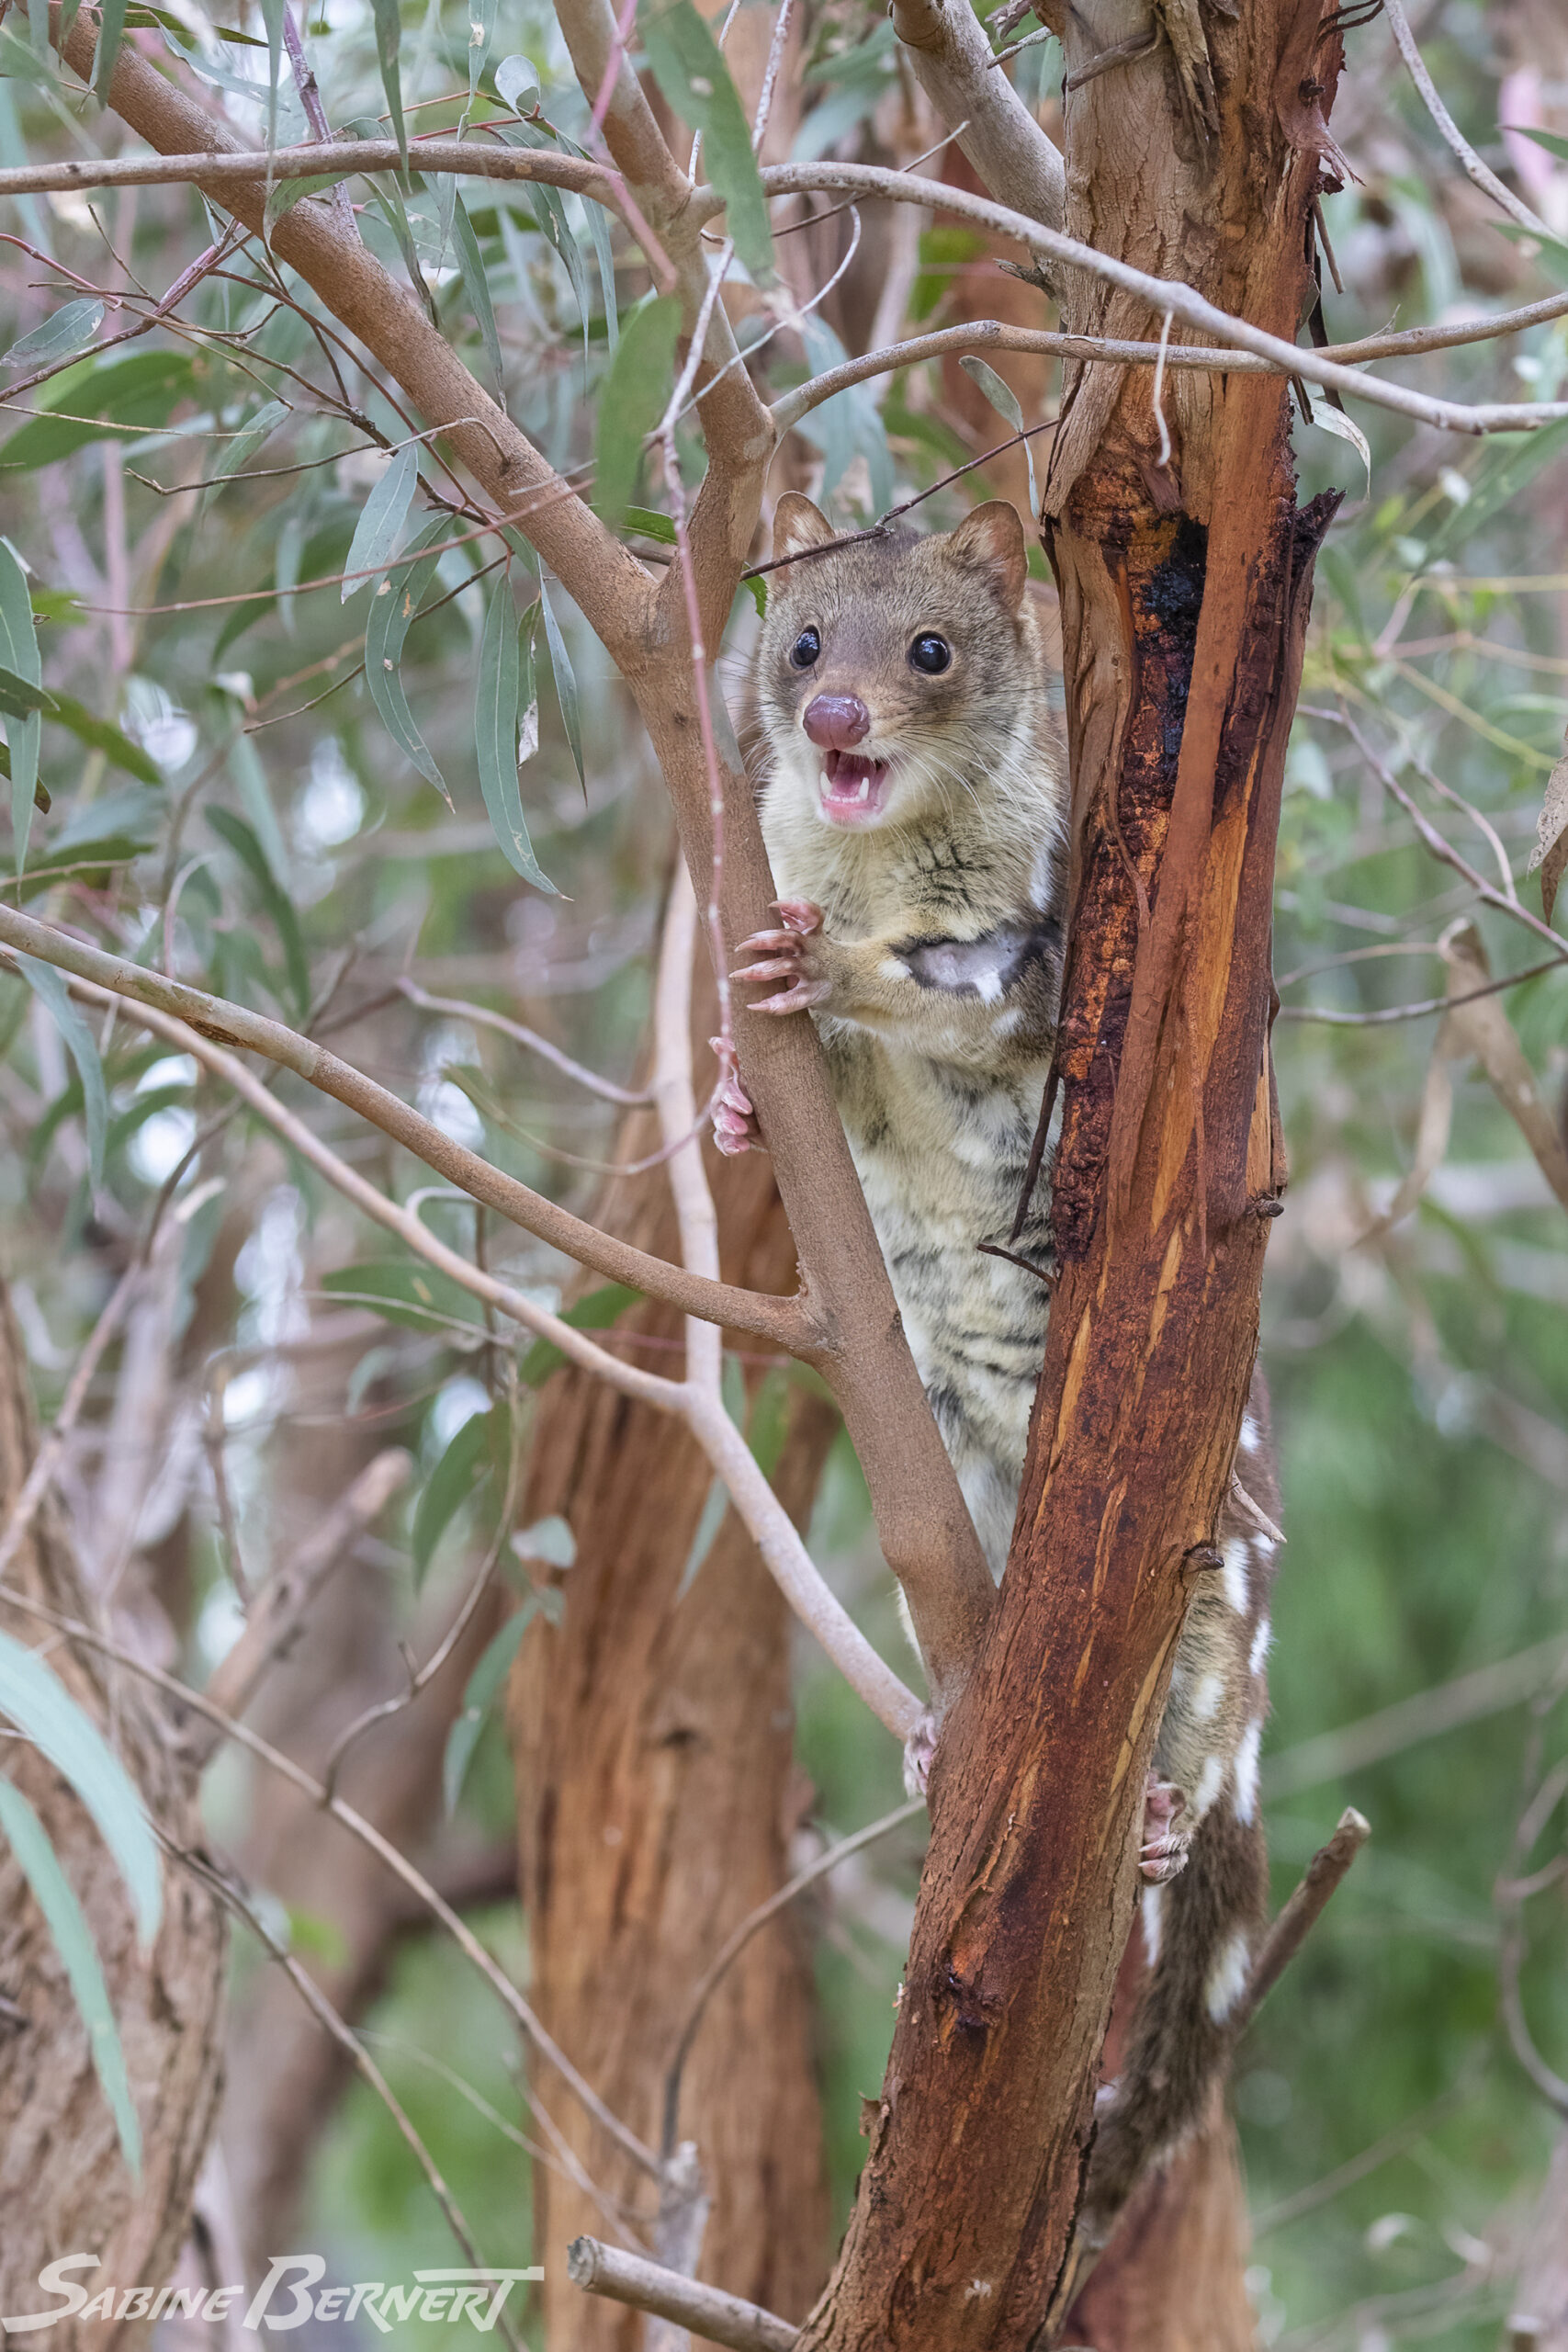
column 854, row 790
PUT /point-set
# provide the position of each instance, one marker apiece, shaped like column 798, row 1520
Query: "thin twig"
column 1303, row 1911
column 482, row 1017
column 708, row 2311
column 1485, row 179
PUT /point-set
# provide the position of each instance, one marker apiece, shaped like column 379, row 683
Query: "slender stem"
column 646, row 2286
column 695, row 1214
column 782, row 1320
column 1485, row 179
column 1303, row 1911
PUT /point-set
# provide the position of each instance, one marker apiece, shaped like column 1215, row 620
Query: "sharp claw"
column 798, row 999
column 769, row 942
column 784, row 968
column 800, row 915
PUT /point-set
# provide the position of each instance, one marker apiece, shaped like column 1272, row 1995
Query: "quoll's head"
column 884, row 670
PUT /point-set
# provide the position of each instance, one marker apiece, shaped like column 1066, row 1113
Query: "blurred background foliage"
column 225, row 797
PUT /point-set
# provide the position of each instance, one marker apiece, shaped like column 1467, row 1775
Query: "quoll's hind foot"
column 789, row 957
column 919, row 1750
column 734, row 1127
column 1163, row 1852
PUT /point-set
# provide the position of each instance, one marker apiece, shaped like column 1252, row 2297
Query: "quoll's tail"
column 1202, row 1934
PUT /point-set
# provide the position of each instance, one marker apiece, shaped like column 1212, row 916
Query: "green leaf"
column 1004, row 400
column 100, row 400
column 63, row 1914
column 111, row 30
column 1546, row 139
column 406, row 1291
column 18, row 650
column 238, row 836
column 249, row 438
column 476, row 1450
column 595, row 1312
column 284, row 194
column 690, row 69
column 389, row 35
column 498, row 704
column 49, row 988
column 272, row 17
column 548, row 211
column 65, row 331
column 393, row 608
column 37, row 1702
column 101, row 735
column 477, row 286
column 660, row 528
column 565, row 677
column 641, row 376
column 482, row 1690
column 19, row 697
column 389, row 203
column 378, row 532
column 482, row 32
column 1505, row 470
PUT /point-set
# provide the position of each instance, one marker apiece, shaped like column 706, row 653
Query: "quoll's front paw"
column 793, row 956
column 1162, row 1853
column 919, row 1750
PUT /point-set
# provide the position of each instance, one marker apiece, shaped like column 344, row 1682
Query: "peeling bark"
column 656, row 1795
column 64, row 2188
column 1184, row 580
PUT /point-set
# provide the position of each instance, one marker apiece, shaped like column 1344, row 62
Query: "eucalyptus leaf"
column 388, row 38
column 111, row 31
column 689, row 67
column 393, row 607
column 477, row 285
column 64, row 1915
column 249, row 439
column 49, row 988
column 499, row 705
column 565, row 677
column 1004, row 400
column 378, row 532
column 20, row 655
column 65, row 331
column 479, row 1695
column 34, row 1699
column 477, row 1449
column 641, row 378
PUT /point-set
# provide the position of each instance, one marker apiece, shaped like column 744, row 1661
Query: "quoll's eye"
column 806, row 648
column 930, row 653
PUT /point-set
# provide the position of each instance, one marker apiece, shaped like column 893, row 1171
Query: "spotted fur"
column 933, row 976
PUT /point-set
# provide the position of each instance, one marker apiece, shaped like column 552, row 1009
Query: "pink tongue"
column 845, row 769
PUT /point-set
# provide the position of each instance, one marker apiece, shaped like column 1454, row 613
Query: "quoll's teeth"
column 864, row 792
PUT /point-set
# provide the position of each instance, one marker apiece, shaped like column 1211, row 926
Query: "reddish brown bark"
column 656, row 1795
column 1183, row 586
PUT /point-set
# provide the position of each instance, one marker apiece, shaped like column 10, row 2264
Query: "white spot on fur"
column 1234, row 1558
column 1251, row 1435
column 891, row 968
column 1210, row 1780
column 1206, row 1698
column 1260, row 1641
column 978, row 2290
column 1006, row 1022
column 1154, row 1897
column 991, row 987
column 1246, row 1769
column 1264, row 1545
column 1227, row 1978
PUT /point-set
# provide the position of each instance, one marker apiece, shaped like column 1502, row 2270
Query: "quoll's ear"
column 991, row 539
column 797, row 525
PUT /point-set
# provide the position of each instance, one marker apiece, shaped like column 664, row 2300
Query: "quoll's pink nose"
column 837, row 722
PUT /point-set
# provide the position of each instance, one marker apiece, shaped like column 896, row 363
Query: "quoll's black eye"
column 930, row 653
column 806, row 648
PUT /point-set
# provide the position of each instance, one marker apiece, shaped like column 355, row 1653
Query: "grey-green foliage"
column 281, row 847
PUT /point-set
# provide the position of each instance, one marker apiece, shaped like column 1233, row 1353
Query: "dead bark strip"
column 657, row 1793
column 1184, row 579
column 64, row 2188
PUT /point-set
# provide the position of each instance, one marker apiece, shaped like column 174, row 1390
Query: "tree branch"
column 784, row 1321
column 1485, row 179
column 1162, row 295
column 602, row 576
column 646, row 2286
column 994, row 334
column 953, row 65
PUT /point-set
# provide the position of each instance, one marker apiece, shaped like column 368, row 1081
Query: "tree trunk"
column 1183, row 581
column 657, row 1795
column 64, row 2188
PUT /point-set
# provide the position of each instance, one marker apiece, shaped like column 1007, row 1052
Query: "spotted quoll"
column 913, row 802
